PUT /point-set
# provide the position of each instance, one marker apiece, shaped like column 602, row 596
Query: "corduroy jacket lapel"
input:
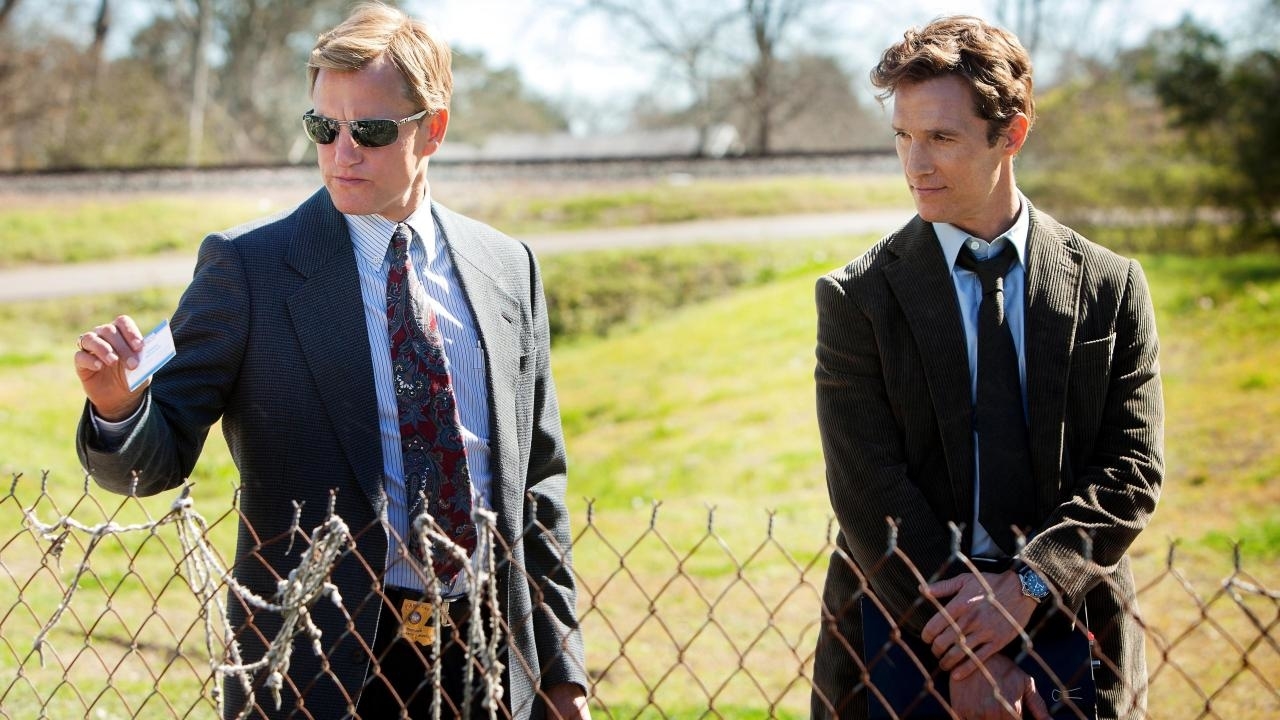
column 1054, row 279
column 921, row 283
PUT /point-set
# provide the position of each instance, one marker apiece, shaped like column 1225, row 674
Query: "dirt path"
column 46, row 282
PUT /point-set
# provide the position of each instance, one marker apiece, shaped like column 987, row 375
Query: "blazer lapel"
column 1053, row 293
column 328, row 318
column 500, row 325
column 921, row 282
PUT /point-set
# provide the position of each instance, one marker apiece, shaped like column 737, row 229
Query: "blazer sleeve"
column 1114, row 490
column 189, row 393
column 547, row 539
column 866, row 460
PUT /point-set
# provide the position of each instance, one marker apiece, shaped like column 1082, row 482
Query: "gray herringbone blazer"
column 271, row 340
column 894, row 411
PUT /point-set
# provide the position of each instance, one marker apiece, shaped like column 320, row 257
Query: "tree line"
column 202, row 82
column 1185, row 121
column 210, row 82
column 1185, row 118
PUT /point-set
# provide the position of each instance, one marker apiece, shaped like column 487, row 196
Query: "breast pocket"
column 1092, row 359
column 1087, row 386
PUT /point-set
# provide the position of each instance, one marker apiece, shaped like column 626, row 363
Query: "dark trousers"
column 400, row 683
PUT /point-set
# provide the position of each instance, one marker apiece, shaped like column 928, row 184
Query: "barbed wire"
column 306, row 584
column 483, row 648
column 674, row 618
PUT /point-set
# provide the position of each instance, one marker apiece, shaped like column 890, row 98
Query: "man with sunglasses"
column 283, row 335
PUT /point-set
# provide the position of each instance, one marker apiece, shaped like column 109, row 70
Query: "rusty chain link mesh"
column 114, row 607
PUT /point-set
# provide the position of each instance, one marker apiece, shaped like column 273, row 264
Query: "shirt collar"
column 952, row 238
column 371, row 234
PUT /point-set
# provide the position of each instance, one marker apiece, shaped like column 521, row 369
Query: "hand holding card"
column 157, row 349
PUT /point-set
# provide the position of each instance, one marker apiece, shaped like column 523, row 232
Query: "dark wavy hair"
column 990, row 59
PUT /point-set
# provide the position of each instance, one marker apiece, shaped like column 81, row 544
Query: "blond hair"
column 374, row 30
column 989, row 59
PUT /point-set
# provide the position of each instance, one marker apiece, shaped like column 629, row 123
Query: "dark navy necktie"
column 1006, row 491
column 435, row 462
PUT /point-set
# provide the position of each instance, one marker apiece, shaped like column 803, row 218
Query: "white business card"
column 157, row 349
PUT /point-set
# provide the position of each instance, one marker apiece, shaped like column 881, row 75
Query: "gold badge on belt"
column 417, row 622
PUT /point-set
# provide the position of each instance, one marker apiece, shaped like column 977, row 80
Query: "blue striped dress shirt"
column 969, row 294
column 371, row 234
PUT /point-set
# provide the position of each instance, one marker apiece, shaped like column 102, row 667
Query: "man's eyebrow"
column 939, row 130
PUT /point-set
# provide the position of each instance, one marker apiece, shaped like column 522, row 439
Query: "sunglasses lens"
column 366, row 133
column 319, row 129
column 375, row 133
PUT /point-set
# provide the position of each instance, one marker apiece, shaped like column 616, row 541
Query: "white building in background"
column 721, row 141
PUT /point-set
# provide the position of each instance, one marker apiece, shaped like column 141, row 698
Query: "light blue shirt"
column 464, row 355
column 969, row 294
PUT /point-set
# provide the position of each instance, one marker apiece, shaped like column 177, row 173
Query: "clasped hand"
column 984, row 614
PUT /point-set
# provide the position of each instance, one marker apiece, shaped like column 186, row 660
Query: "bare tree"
column 684, row 36
column 700, row 43
column 5, row 8
column 8, row 88
column 1061, row 35
column 245, row 69
column 261, row 84
column 101, row 25
column 196, row 17
column 769, row 21
column 199, row 80
column 1025, row 18
column 820, row 111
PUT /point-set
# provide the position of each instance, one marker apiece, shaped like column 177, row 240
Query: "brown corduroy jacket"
column 894, row 411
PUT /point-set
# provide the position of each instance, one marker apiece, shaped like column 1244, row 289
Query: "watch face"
column 1032, row 585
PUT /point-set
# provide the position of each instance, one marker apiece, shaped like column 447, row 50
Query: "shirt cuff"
column 111, row 435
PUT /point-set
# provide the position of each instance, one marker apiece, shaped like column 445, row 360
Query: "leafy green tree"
column 1255, row 84
column 1226, row 106
column 1101, row 141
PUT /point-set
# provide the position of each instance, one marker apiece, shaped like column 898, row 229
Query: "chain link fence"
column 116, row 607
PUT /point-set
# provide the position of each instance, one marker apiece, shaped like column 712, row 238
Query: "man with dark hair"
column 983, row 368
column 374, row 348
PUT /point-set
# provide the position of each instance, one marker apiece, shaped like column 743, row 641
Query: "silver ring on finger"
column 80, row 342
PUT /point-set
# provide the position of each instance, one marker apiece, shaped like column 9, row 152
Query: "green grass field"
column 51, row 229
column 692, row 437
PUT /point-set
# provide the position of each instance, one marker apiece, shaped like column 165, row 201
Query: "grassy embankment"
column 707, row 405
column 54, row 230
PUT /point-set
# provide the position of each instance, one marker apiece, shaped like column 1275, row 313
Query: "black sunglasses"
column 366, row 133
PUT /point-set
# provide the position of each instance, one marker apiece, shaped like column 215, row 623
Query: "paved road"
column 45, row 282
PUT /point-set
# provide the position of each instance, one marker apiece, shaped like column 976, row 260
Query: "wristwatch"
column 1032, row 585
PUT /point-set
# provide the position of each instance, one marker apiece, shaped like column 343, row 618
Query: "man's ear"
column 1015, row 134
column 436, row 126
